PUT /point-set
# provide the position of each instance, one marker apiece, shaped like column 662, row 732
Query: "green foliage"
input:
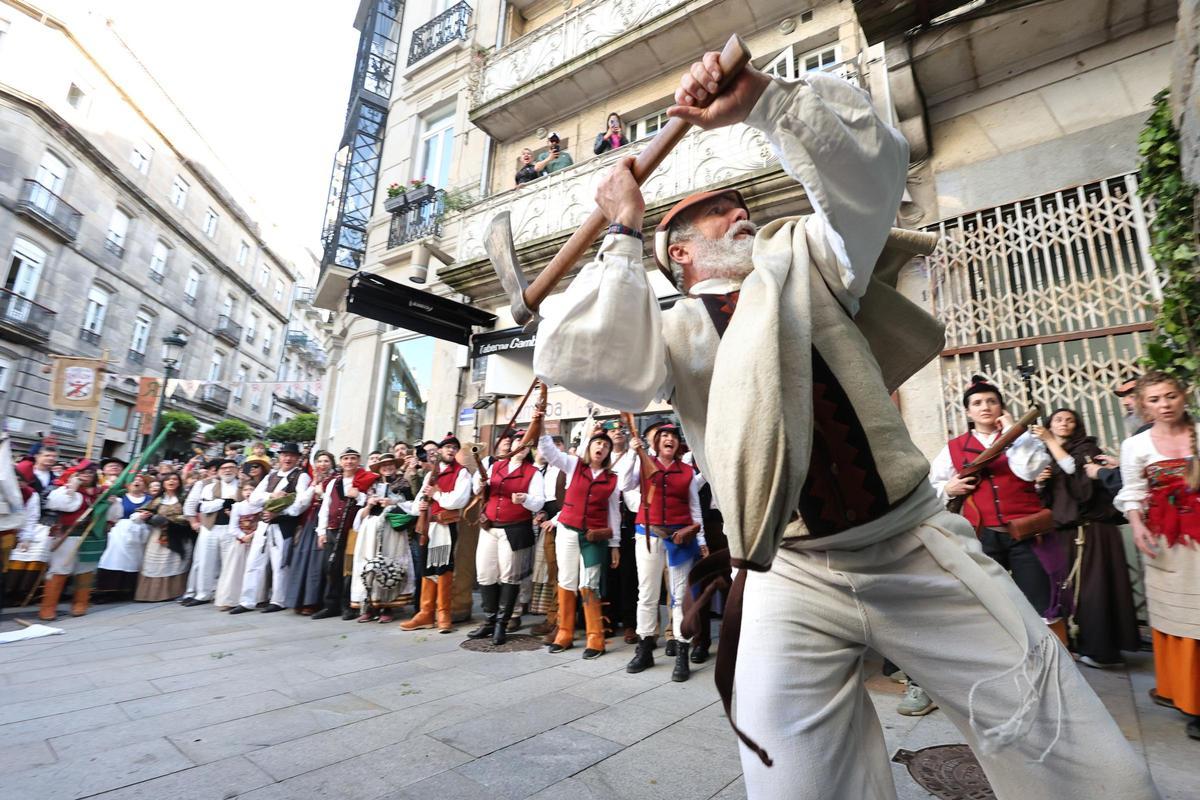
column 229, row 430
column 1176, row 345
column 300, row 428
column 185, row 427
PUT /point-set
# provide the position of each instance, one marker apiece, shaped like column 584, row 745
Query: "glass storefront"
column 406, row 381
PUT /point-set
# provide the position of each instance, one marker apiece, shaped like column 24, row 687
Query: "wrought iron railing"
column 89, row 336
column 190, row 299
column 113, row 246
column 157, row 276
column 440, row 31
column 25, row 315
column 65, row 424
column 418, row 221
column 310, row 399
column 38, row 201
column 136, row 358
column 266, row 347
column 228, row 330
column 215, row 396
column 297, row 338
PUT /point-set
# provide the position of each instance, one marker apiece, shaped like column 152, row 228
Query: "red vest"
column 68, row 518
column 1000, row 496
column 444, row 482
column 502, row 485
column 585, row 504
column 337, row 503
column 672, row 490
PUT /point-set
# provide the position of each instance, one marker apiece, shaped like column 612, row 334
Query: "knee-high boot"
column 50, row 594
column 424, row 617
column 508, row 599
column 445, row 597
column 83, row 593
column 489, row 597
column 566, row 621
column 594, row 622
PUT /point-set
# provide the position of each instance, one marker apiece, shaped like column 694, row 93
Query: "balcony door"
column 24, row 275
column 437, row 146
column 51, row 175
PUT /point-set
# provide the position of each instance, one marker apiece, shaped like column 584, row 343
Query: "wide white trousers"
column 954, row 621
column 572, row 573
column 650, row 564
column 63, row 561
column 259, row 560
column 206, row 562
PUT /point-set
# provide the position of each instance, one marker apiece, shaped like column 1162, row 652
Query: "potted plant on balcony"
column 418, row 191
column 396, row 199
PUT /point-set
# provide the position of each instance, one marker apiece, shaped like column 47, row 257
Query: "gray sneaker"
column 916, row 702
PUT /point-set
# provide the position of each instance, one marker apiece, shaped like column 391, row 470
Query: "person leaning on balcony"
column 612, row 137
column 554, row 158
column 527, row 172
column 839, row 541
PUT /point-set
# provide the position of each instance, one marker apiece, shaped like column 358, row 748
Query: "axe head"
column 503, row 253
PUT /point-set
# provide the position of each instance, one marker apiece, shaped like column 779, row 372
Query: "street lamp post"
column 173, row 345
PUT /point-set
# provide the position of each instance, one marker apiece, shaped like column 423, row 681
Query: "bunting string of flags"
column 190, row 388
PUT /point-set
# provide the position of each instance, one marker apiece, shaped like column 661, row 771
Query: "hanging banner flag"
column 149, row 389
column 77, row 383
column 190, row 388
column 147, row 426
column 172, row 385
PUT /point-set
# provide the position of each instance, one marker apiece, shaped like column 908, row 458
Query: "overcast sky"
column 264, row 81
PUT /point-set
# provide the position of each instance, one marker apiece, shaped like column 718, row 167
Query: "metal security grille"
column 1063, row 282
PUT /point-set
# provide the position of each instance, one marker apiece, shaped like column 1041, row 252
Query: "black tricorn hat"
column 290, row 447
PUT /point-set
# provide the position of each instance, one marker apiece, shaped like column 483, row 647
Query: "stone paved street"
column 159, row 701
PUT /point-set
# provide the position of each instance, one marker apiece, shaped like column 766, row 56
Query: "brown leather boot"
column 83, row 593
column 594, row 620
column 445, row 589
column 566, row 621
column 50, row 594
column 424, row 616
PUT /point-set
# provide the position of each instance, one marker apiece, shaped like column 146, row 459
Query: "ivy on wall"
column 1173, row 246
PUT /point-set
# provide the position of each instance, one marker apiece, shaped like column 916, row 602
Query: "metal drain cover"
column 515, row 644
column 948, row 771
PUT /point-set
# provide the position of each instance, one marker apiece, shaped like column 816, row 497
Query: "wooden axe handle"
column 734, row 57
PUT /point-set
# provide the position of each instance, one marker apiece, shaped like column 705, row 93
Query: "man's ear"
column 680, row 253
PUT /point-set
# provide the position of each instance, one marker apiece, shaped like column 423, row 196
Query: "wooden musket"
column 992, row 453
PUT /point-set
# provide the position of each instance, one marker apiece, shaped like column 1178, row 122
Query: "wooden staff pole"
column 87, row 453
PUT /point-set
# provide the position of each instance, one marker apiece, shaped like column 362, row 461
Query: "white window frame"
column 228, row 306
column 142, row 323
column 97, row 308
column 278, row 293
column 256, row 393
column 29, row 272
column 52, row 172
column 160, row 257
column 239, row 383
column 648, row 125
column 6, row 372
column 251, row 327
column 788, row 63
column 268, row 338
column 264, row 275
column 118, row 227
column 437, row 133
column 215, row 365
column 243, row 253
column 192, row 287
column 211, row 220
column 179, row 192
column 140, row 157
column 77, row 97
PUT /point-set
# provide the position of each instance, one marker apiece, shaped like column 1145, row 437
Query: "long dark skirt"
column 1105, row 613
column 113, row 586
column 306, row 575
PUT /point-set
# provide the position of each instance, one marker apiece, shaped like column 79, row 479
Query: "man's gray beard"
column 727, row 258
column 230, row 479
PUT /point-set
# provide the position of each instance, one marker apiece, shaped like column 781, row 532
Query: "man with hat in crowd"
column 444, row 493
column 344, row 494
column 207, row 509
column 838, row 539
column 670, row 534
column 72, row 499
column 31, row 554
column 283, row 496
column 110, row 469
column 555, row 158
column 504, row 554
column 381, row 548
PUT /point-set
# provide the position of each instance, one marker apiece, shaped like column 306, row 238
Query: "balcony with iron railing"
column 300, row 398
column 599, row 48
column 297, row 338
column 65, row 424
column 24, row 319
column 44, row 206
column 112, row 244
column 417, row 221
column 90, row 336
column 447, row 27
column 228, row 330
column 214, row 396
column 135, row 357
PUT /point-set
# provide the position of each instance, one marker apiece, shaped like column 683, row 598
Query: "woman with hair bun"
column 1160, row 469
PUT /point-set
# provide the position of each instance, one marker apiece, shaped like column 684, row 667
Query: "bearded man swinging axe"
column 787, row 346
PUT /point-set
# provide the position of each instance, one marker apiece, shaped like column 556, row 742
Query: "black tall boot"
column 682, row 669
column 643, row 658
column 489, row 598
column 347, row 612
column 508, row 599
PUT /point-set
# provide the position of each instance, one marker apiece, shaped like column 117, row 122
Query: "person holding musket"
column 588, row 536
column 670, row 533
column 72, row 498
column 283, row 496
column 446, row 491
column 786, row 347
column 344, row 494
column 504, row 555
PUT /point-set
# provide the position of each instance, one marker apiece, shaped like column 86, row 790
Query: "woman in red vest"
column 1005, row 491
column 76, row 493
column 504, row 555
column 589, row 524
